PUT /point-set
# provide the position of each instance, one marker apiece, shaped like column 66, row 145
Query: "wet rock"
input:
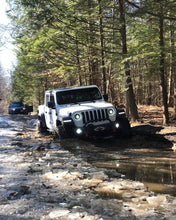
column 127, row 195
column 64, row 205
column 32, row 123
column 83, row 216
column 4, row 124
column 44, row 180
column 12, row 195
column 53, row 146
column 58, row 213
column 78, row 209
column 156, row 200
column 113, row 174
column 107, row 207
column 90, row 183
column 98, row 175
column 63, row 175
column 22, row 190
column 119, row 186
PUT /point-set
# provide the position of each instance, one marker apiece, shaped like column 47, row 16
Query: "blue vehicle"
column 19, row 108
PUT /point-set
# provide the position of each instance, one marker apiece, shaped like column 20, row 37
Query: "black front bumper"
column 91, row 130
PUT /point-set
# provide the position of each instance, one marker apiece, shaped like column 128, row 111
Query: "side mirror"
column 51, row 105
column 105, row 96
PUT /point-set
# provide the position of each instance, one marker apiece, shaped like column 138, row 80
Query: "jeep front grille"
column 95, row 115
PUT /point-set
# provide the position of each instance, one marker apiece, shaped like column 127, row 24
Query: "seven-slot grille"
column 95, row 115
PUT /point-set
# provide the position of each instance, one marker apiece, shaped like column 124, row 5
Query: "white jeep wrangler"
column 83, row 112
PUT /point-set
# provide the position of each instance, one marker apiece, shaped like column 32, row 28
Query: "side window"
column 52, row 99
column 47, row 99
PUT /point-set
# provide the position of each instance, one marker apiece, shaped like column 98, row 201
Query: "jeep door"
column 53, row 112
column 50, row 111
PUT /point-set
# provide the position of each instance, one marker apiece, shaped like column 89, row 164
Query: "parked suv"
column 81, row 111
column 19, row 108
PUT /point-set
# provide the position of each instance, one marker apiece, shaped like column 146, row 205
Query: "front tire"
column 65, row 131
column 124, row 129
column 62, row 132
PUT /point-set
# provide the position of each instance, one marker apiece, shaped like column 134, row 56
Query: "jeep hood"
column 65, row 110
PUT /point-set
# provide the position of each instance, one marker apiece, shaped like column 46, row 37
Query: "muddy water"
column 43, row 178
column 150, row 161
column 155, row 167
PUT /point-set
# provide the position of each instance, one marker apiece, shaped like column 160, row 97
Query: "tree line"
column 126, row 47
column 4, row 92
column 4, row 86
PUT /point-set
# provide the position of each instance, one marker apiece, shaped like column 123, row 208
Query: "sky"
column 7, row 55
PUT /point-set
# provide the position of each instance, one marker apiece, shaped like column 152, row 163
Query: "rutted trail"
column 40, row 178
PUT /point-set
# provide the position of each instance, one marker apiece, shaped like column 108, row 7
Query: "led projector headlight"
column 111, row 112
column 77, row 116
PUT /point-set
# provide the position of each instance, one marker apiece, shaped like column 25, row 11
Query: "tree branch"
column 149, row 12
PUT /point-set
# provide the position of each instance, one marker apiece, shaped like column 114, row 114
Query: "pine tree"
column 130, row 99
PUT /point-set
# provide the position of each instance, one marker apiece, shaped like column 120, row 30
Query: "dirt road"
column 44, row 178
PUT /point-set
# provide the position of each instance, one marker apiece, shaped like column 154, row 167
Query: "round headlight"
column 77, row 116
column 111, row 111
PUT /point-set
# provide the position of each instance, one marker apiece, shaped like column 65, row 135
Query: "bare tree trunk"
column 102, row 49
column 94, row 77
column 171, row 84
column 149, row 94
column 162, row 69
column 130, row 99
column 78, row 64
column 172, row 67
column 140, row 90
column 174, row 97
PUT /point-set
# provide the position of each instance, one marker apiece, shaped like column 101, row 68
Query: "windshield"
column 15, row 104
column 78, row 95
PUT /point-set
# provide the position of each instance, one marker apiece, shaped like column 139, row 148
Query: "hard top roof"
column 70, row 88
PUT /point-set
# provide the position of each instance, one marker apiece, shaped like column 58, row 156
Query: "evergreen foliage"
column 78, row 42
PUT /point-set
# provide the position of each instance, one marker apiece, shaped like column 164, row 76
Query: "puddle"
column 155, row 168
column 158, row 173
column 161, row 188
column 156, row 178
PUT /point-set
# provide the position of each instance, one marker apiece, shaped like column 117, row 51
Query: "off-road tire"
column 62, row 132
column 40, row 128
column 124, row 129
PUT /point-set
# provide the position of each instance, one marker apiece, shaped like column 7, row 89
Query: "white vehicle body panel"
column 85, row 114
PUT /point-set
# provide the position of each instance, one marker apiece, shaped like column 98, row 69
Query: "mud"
column 45, row 178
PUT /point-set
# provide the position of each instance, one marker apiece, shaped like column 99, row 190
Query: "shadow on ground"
column 143, row 136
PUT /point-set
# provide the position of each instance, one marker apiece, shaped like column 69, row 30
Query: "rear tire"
column 40, row 128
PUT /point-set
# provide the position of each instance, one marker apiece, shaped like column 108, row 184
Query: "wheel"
column 62, row 132
column 65, row 131
column 40, row 127
column 124, row 129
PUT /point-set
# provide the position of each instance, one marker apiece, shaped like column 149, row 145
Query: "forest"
column 125, row 47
